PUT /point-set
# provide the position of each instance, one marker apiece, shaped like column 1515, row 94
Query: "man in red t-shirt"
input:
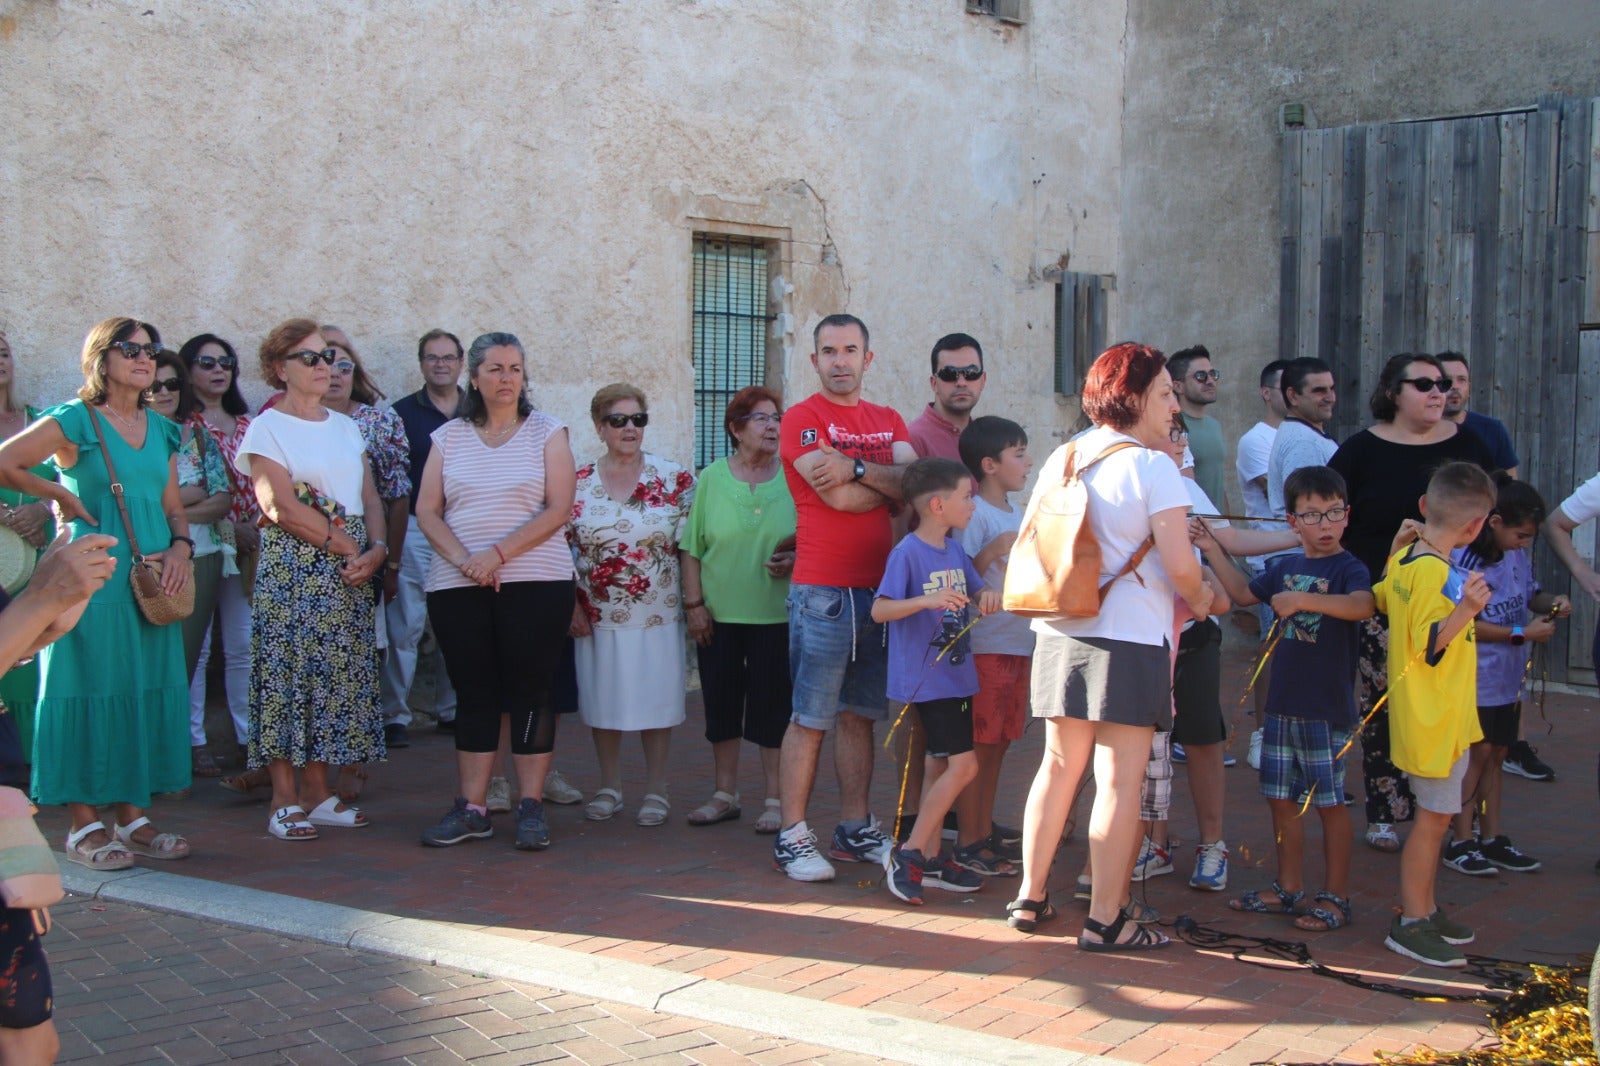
column 843, row 459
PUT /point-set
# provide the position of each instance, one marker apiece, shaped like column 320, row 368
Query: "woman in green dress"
column 30, row 519
column 112, row 735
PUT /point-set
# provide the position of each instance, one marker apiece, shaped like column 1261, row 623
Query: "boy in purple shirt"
column 925, row 598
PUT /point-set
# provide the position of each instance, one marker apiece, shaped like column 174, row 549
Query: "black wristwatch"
column 860, row 471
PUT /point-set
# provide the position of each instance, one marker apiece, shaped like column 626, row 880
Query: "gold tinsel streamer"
column 1544, row 1021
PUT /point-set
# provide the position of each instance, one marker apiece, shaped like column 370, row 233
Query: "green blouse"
column 733, row 530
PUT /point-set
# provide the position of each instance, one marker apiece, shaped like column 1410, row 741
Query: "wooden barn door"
column 1477, row 235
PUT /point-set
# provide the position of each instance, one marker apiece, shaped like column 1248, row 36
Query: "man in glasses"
column 439, row 356
column 957, row 381
column 1195, row 381
column 1491, row 431
column 843, row 459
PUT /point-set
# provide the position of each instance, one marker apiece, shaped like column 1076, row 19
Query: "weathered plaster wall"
column 540, row 168
column 1201, row 152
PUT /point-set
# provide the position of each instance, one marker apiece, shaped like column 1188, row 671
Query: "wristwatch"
column 1517, row 636
column 860, row 471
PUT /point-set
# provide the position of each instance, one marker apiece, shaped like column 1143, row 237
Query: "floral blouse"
column 200, row 463
column 388, row 450
column 245, row 508
column 627, row 553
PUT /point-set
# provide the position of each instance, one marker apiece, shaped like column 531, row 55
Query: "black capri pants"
column 744, row 678
column 25, row 995
column 501, row 650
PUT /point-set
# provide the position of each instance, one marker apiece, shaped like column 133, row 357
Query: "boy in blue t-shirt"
column 927, row 589
column 1319, row 594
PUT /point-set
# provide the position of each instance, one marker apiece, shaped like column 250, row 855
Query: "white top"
column 1202, row 504
column 488, row 492
column 330, row 455
column 1124, row 491
column 1584, row 503
column 1001, row 633
column 1255, row 450
column 1297, row 445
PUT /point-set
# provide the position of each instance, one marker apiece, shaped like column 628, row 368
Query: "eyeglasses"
column 1429, row 384
column 639, row 420
column 167, row 385
column 761, row 419
column 131, row 350
column 211, row 362
column 440, row 360
column 343, row 366
column 967, row 373
column 1314, row 518
column 1203, row 376
column 1177, row 434
column 309, row 358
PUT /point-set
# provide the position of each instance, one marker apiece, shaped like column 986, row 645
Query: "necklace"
column 1435, row 547
column 107, row 408
column 496, row 438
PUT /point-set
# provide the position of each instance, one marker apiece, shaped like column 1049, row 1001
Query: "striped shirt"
column 488, row 492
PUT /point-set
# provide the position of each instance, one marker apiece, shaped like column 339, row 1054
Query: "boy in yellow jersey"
column 1433, row 691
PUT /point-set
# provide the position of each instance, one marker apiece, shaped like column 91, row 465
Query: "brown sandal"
column 357, row 778
column 201, row 764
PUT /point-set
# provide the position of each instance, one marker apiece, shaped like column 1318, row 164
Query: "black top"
column 1386, row 482
column 12, row 758
column 421, row 418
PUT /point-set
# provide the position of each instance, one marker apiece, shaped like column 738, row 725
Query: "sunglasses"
column 172, row 385
column 1314, row 518
column 309, row 358
column 639, row 420
column 1429, row 384
column 1203, row 376
column 967, row 373
column 343, row 366
column 131, row 350
column 211, row 362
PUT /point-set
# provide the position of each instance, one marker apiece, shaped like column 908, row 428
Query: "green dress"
column 113, row 720
column 19, row 688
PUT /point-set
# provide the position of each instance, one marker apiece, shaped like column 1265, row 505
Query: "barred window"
column 731, row 321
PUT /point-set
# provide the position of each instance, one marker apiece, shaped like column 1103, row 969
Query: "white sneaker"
column 795, row 853
column 556, row 790
column 1254, row 757
column 499, row 797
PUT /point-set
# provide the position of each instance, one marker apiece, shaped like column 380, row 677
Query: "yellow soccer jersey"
column 1433, row 700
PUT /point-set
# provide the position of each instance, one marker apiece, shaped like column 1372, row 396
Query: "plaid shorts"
column 1302, row 753
column 1155, row 798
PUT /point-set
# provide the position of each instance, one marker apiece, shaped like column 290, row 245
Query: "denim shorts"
column 838, row 656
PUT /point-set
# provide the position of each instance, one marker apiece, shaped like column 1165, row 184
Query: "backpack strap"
column 1131, row 566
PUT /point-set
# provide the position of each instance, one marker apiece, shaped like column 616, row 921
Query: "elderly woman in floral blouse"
column 627, row 518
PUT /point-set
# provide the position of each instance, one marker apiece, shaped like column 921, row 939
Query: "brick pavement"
column 137, row 987
column 705, row 901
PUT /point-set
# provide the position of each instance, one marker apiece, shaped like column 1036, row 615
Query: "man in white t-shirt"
column 1308, row 399
column 1255, row 447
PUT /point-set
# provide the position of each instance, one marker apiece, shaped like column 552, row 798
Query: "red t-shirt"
column 836, row 547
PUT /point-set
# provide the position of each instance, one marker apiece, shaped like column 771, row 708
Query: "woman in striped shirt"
column 496, row 491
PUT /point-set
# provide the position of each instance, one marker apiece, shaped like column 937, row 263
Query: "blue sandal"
column 1327, row 919
column 1252, row 903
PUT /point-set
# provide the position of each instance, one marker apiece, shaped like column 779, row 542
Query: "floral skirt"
column 313, row 658
column 1389, row 797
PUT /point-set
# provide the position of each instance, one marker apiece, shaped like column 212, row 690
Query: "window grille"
column 730, row 332
column 1081, row 301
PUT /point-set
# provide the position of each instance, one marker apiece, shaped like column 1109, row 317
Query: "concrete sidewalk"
column 705, row 925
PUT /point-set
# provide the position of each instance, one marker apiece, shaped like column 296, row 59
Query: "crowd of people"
column 839, row 569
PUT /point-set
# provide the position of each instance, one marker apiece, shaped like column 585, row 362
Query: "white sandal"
column 709, row 814
column 161, row 846
column 771, row 819
column 606, row 802
column 283, row 827
column 654, row 809
column 328, row 815
column 109, row 856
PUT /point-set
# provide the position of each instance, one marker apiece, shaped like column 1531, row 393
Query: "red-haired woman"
column 737, row 552
column 1103, row 684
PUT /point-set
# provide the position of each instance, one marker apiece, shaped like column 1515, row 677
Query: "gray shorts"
column 1441, row 795
column 1095, row 679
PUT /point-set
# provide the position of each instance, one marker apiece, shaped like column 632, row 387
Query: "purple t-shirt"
column 1502, row 666
column 916, row 569
column 1314, row 667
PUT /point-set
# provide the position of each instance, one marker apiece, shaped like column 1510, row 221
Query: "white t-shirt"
column 1584, row 503
column 1297, row 445
column 1202, row 505
column 330, row 455
column 1124, row 491
column 1255, row 450
column 1001, row 633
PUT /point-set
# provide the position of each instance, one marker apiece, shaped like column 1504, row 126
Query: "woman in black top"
column 1386, row 468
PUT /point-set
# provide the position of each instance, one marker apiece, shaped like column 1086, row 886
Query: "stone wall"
column 1201, row 158
column 393, row 167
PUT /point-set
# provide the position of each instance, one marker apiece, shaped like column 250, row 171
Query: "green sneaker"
column 1421, row 941
column 1450, row 930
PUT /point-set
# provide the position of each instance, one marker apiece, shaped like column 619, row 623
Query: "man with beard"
column 1491, row 431
column 1194, row 379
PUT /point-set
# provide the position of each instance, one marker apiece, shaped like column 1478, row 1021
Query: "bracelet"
column 327, row 545
column 500, row 553
column 186, row 540
column 378, row 544
column 392, row 566
column 690, row 605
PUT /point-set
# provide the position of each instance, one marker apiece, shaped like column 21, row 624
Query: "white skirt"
column 631, row 678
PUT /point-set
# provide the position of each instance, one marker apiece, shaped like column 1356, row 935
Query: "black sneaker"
column 903, row 874
column 459, row 825
column 445, row 725
column 1464, row 857
column 533, row 834
column 1523, row 760
column 1504, row 854
column 395, row 736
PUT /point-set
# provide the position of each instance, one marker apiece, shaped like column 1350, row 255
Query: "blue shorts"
column 838, row 656
column 1299, row 754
